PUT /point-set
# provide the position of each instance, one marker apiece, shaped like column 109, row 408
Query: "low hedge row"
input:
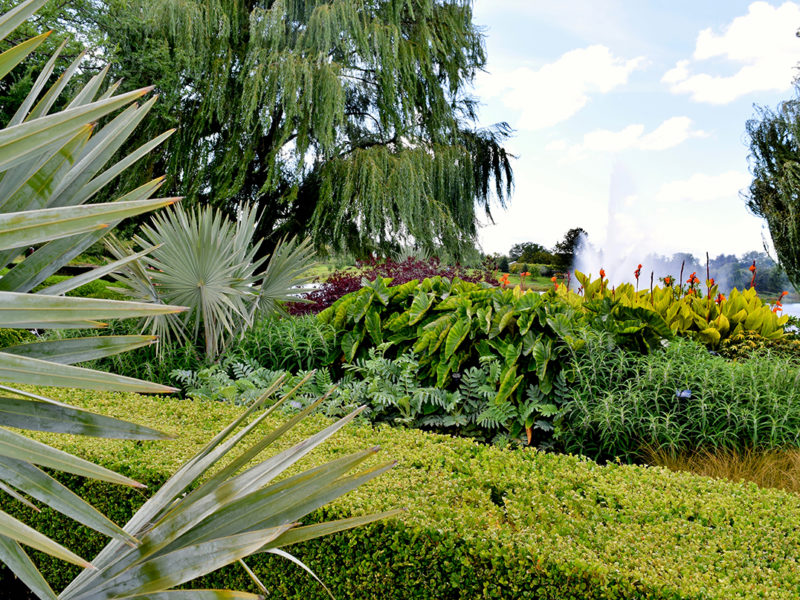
column 482, row 522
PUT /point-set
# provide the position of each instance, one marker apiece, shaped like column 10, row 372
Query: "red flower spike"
column 602, row 274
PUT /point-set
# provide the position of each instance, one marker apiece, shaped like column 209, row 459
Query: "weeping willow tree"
column 350, row 120
column 774, row 194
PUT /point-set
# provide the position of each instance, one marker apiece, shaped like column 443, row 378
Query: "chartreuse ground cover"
column 482, row 522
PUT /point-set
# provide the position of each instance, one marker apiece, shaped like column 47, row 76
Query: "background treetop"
column 349, row 119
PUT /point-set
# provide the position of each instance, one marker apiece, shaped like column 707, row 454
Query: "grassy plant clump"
column 291, row 344
column 766, row 468
column 680, row 400
column 482, row 522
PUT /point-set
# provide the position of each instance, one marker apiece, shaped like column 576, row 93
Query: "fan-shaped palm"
column 208, row 263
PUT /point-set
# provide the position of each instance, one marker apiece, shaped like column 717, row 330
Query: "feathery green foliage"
column 350, row 119
column 679, row 400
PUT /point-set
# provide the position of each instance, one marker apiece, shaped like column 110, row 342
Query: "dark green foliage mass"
column 774, row 194
column 349, row 119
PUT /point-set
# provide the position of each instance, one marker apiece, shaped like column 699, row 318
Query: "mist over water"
column 626, row 247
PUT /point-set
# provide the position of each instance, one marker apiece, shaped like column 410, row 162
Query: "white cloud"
column 704, row 188
column 670, row 133
column 555, row 92
column 762, row 43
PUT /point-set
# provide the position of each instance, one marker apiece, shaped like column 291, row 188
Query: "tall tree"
column 349, row 119
column 565, row 249
column 774, row 194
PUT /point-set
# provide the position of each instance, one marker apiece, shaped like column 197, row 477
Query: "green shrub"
column 452, row 326
column 98, row 288
column 142, row 363
column 680, row 400
column 482, row 522
column 288, row 343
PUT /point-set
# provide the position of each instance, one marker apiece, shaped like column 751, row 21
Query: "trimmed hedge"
column 482, row 522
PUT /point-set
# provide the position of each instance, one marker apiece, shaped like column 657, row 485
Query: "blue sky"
column 656, row 92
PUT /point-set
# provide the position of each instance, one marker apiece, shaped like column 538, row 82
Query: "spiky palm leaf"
column 206, row 262
column 50, row 166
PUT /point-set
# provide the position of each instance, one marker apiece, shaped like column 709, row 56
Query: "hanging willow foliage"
column 774, row 194
column 349, row 119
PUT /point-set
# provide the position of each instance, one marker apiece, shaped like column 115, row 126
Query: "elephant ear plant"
column 51, row 164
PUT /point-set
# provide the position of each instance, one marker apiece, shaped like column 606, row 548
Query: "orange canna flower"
column 752, row 267
column 602, row 274
column 720, row 298
column 667, row 280
column 784, row 293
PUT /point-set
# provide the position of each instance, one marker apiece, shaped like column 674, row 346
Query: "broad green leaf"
column 38, row 484
column 19, row 447
column 76, row 350
column 458, row 333
column 19, row 142
column 32, row 371
column 419, row 307
column 16, row 54
column 33, row 227
column 17, row 530
column 40, row 416
column 14, row 557
column 508, row 383
column 16, row 309
column 372, row 322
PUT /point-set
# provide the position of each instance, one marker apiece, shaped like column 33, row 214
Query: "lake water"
column 791, row 309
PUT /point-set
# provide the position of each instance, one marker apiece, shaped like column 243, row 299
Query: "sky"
column 650, row 95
